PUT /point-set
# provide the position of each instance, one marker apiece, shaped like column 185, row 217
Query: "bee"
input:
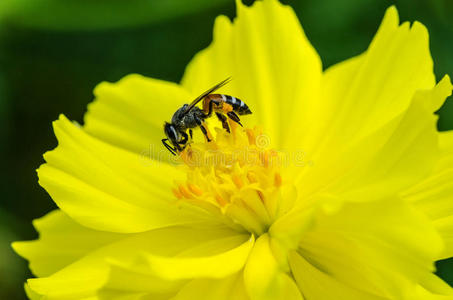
column 190, row 116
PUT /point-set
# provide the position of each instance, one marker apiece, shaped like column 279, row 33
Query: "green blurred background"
column 54, row 52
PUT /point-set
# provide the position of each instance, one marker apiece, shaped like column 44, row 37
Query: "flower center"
column 236, row 176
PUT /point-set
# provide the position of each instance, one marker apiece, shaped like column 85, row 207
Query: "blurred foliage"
column 12, row 267
column 53, row 53
column 100, row 14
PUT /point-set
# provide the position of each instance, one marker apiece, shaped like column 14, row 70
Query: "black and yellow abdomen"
column 225, row 102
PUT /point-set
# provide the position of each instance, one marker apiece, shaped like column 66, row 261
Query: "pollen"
column 236, row 176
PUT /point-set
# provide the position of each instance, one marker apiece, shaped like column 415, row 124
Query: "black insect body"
column 189, row 116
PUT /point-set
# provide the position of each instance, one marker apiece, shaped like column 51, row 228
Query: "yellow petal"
column 86, row 276
column 54, row 250
column 381, row 248
column 362, row 97
column 156, row 275
column 419, row 293
column 446, row 147
column 445, row 227
column 434, row 195
column 316, row 284
column 231, row 287
column 107, row 188
column 290, row 228
column 30, row 294
column 263, row 277
column 130, row 113
column 117, row 295
column 364, row 94
column 214, row 266
column 124, row 282
column 386, row 161
column 365, row 109
column 274, row 68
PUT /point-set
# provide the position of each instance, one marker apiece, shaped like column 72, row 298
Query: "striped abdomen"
column 236, row 104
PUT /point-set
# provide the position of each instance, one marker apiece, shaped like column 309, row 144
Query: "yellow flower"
column 338, row 187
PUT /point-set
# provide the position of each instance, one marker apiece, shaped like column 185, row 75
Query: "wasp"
column 190, row 116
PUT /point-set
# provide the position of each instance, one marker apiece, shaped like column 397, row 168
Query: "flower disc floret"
column 238, row 176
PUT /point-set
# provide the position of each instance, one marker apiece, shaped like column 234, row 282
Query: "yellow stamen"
column 265, row 159
column 220, row 200
column 251, row 136
column 195, row 189
column 240, row 179
column 252, row 177
column 237, row 181
column 277, row 180
column 184, row 191
column 177, row 193
column 261, row 195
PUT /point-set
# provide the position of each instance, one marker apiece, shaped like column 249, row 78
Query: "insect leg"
column 170, row 148
column 223, row 119
column 184, row 139
column 203, row 129
column 205, row 132
column 233, row 116
column 183, row 147
column 191, row 133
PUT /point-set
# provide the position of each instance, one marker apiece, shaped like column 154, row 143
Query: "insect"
column 190, row 116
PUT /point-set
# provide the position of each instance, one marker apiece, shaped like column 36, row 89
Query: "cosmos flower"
column 338, row 186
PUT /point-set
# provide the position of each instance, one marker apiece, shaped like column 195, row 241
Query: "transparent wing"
column 210, row 91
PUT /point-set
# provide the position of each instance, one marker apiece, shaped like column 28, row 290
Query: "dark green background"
column 53, row 52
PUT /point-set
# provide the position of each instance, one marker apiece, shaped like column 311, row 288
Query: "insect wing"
column 210, row 91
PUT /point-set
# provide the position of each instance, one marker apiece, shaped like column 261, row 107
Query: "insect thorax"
column 184, row 121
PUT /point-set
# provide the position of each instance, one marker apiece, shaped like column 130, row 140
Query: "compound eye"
column 171, row 133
